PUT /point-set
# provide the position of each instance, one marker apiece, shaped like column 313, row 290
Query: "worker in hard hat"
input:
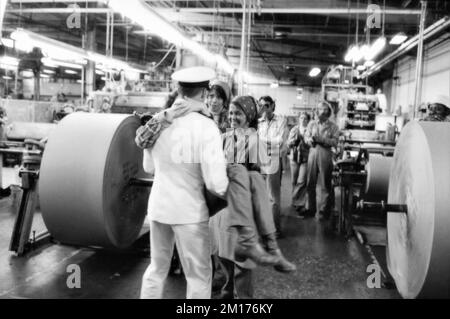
column 321, row 134
column 439, row 109
column 106, row 105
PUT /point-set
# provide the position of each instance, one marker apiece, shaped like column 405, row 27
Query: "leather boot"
column 249, row 247
column 272, row 247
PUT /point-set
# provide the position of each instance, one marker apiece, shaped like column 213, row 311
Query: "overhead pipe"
column 243, row 47
column 61, row 10
column 292, row 10
column 419, row 62
column 435, row 28
column 328, row 11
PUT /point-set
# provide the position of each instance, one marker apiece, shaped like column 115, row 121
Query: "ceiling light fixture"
column 139, row 12
column 369, row 63
column 314, row 72
column 375, row 48
column 60, row 54
column 399, row 38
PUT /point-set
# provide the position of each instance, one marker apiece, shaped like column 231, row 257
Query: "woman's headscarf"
column 248, row 106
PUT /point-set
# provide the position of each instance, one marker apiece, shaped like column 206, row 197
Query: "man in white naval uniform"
column 186, row 157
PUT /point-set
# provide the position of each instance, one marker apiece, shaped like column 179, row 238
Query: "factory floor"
column 329, row 266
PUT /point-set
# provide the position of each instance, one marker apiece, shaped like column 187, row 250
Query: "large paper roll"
column 84, row 192
column 418, row 251
column 377, row 182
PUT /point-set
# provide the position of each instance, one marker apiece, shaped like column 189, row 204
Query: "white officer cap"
column 197, row 76
column 441, row 99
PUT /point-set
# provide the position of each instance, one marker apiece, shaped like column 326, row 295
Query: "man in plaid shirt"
column 149, row 132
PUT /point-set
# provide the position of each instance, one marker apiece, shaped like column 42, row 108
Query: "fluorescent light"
column 351, row 53
column 70, row 71
column 399, row 38
column 274, row 85
column 79, row 81
column 54, row 64
column 49, row 71
column 376, row 48
column 44, row 75
column 139, row 12
column 8, row 42
column 6, row 77
column 8, row 63
column 363, row 52
column 360, row 67
column 62, row 54
column 314, row 72
column 27, row 74
column 52, row 48
column 369, row 63
column 8, row 60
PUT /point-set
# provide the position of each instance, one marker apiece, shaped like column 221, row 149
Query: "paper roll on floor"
column 84, row 192
column 418, row 251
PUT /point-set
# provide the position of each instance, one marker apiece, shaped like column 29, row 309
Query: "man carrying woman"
column 249, row 211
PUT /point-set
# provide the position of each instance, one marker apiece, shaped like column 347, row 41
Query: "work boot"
column 249, row 247
column 272, row 247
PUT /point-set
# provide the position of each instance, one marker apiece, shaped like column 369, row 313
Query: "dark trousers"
column 231, row 281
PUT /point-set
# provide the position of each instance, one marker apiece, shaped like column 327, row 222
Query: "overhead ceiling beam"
column 326, row 11
column 60, row 10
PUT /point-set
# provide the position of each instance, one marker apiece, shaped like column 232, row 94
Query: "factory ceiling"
column 287, row 37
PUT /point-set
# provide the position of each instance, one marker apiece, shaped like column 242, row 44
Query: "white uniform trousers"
column 194, row 249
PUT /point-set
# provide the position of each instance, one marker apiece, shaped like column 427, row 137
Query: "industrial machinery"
column 365, row 149
column 29, row 173
column 408, row 193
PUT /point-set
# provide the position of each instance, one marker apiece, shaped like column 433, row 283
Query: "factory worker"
column 106, row 105
column 186, row 157
column 439, row 109
column 272, row 130
column 321, row 134
column 381, row 101
column 299, row 163
column 250, row 208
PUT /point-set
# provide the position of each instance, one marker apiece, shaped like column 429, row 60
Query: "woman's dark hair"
column 221, row 93
column 170, row 99
column 268, row 98
column 308, row 116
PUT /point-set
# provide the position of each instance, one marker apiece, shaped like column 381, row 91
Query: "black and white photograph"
column 248, row 154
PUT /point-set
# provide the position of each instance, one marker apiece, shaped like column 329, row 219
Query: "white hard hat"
column 197, row 76
column 441, row 99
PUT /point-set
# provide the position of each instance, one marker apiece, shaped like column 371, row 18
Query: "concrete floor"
column 329, row 266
